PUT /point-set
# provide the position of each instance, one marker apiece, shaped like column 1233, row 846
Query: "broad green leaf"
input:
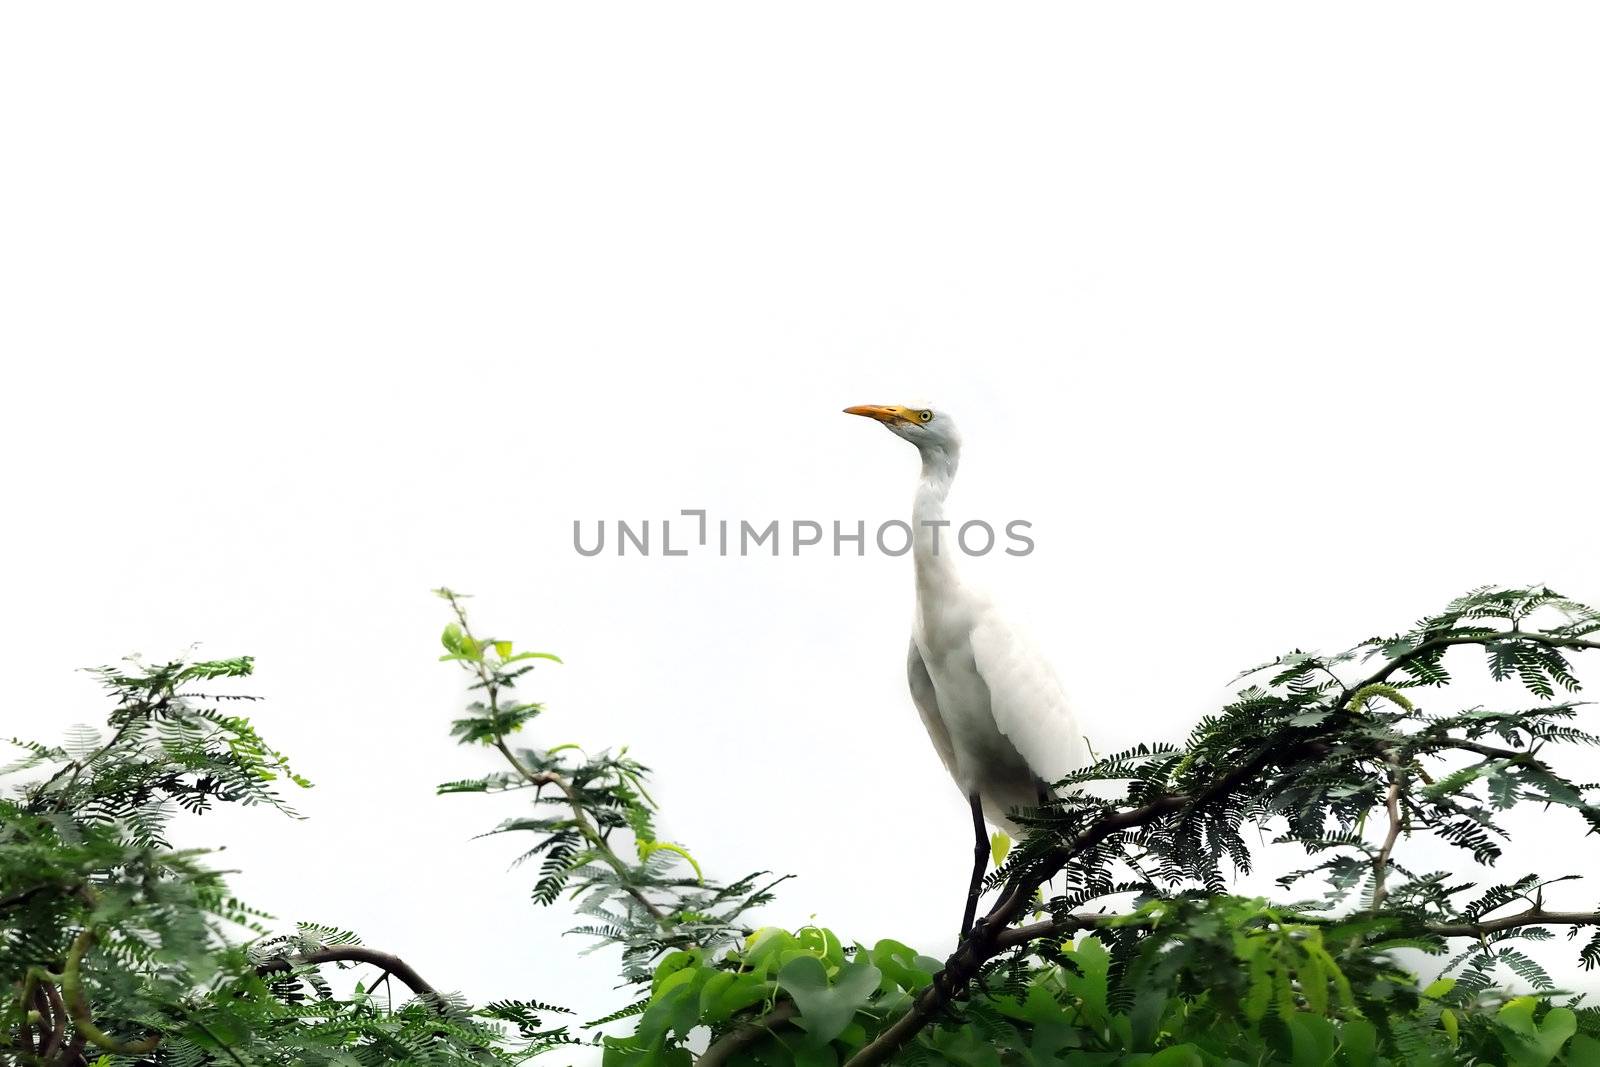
column 1584, row 1052
column 726, row 993
column 453, row 639
column 826, row 1009
column 670, row 965
column 1177, row 1056
column 765, row 947
column 820, row 1055
column 1090, row 986
column 901, row 966
column 1358, row 1041
column 1313, row 1039
column 1534, row 1044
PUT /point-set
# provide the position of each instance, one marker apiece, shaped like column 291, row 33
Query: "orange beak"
column 882, row 412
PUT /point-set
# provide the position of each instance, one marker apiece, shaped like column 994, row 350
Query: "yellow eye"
column 925, row 416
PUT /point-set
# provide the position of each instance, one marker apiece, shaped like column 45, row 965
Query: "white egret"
column 991, row 704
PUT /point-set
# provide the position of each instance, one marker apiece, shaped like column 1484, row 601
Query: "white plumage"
column 991, row 704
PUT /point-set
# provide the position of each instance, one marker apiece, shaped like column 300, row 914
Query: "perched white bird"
column 992, row 706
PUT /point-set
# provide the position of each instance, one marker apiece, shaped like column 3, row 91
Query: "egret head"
column 930, row 429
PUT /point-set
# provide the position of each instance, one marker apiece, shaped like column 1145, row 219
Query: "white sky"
column 1277, row 321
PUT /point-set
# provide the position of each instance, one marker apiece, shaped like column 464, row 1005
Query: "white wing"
column 922, row 695
column 1025, row 698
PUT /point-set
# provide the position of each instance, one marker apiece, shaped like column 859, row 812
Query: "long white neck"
column 933, row 545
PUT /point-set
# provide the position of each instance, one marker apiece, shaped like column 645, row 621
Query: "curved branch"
column 356, row 954
column 77, row 1002
column 745, row 1035
column 1451, row 640
column 60, row 1011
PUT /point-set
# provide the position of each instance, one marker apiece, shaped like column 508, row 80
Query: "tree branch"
column 745, row 1035
column 78, row 1009
column 1488, row 751
column 587, row 829
column 51, row 1044
column 1451, row 640
column 580, row 818
column 983, row 941
column 1380, row 862
column 1071, row 924
column 1531, row 917
column 356, row 954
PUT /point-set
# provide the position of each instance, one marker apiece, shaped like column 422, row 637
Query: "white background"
column 1277, row 321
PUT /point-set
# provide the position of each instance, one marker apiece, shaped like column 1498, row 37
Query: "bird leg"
column 980, row 863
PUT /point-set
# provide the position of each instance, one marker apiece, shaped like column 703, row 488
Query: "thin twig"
column 579, row 817
column 1450, row 640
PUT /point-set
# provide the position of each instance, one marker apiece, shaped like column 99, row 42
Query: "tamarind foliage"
column 1111, row 936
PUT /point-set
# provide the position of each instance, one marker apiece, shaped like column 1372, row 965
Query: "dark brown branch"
column 1531, row 917
column 1489, row 751
column 1071, row 924
column 22, row 896
column 356, row 954
column 983, row 942
column 745, row 1035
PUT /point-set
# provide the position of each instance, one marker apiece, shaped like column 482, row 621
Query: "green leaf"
column 901, row 966
column 726, row 993
column 1177, row 1056
column 1313, row 1039
column 531, row 655
column 648, row 848
column 999, row 847
column 825, row 1010
column 453, row 639
column 1090, row 986
column 765, row 947
column 1585, row 1052
column 1530, row 1043
column 815, row 1056
column 1358, row 1043
column 671, row 965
